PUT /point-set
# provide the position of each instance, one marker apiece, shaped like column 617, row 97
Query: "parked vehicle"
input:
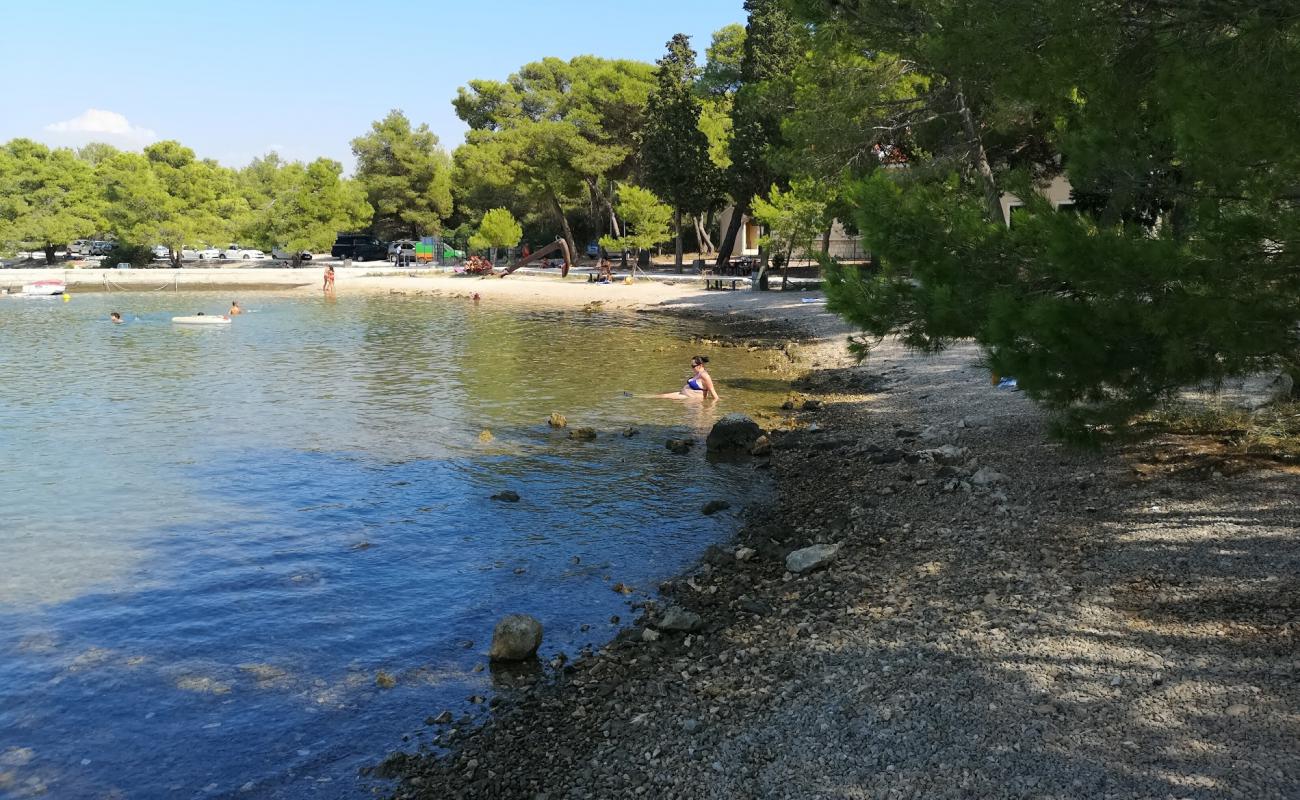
column 80, row 247
column 404, row 248
column 189, row 254
column 237, row 253
column 359, row 247
column 288, row 255
column 161, row 251
column 593, row 249
column 208, row 253
column 101, row 248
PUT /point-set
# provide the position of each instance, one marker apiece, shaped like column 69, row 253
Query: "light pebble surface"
column 1066, row 631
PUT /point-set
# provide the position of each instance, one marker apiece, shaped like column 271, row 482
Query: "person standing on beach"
column 329, row 278
column 235, row 310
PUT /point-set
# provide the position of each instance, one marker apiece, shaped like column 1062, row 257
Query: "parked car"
column 80, row 247
column 101, row 248
column 359, row 247
column 208, row 253
column 161, row 251
column 237, row 253
column 593, row 249
column 404, row 248
column 288, row 255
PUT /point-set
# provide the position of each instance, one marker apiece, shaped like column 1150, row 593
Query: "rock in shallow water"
column 734, row 433
column 506, row 496
column 714, row 506
column 679, row 446
column 516, row 638
column 811, row 558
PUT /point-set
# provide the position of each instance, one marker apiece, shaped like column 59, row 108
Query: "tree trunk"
column 175, row 257
column 677, row 223
column 729, row 239
column 980, row 160
column 49, row 254
column 785, row 268
column 826, row 239
column 702, row 235
column 564, row 225
column 598, row 195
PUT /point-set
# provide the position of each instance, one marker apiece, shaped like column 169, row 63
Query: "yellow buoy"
column 66, row 297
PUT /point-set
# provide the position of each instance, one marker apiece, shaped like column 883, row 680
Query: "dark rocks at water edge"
column 679, row 446
column 734, row 433
column 516, row 638
column 506, row 496
column 676, row 618
column 583, row 434
column 714, row 506
column 808, row 559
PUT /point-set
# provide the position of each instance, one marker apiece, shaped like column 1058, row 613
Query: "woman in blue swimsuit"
column 699, row 386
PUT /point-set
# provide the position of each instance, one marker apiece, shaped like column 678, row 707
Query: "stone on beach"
column 734, row 433
column 811, row 558
column 516, row 638
column 676, row 618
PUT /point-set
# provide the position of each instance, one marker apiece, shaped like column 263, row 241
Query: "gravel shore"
column 1005, row 617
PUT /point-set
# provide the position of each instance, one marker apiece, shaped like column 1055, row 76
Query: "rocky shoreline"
column 993, row 615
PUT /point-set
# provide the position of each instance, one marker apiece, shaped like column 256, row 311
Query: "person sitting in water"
column 699, row 386
column 235, row 309
column 116, row 317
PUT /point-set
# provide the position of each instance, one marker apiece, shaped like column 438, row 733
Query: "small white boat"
column 202, row 319
column 51, row 288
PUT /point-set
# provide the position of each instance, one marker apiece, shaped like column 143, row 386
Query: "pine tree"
column 674, row 150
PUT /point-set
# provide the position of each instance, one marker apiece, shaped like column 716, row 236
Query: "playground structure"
column 559, row 244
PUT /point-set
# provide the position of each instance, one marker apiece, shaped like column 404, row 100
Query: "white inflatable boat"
column 44, row 289
column 202, row 319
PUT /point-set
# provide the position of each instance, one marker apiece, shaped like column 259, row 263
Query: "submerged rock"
column 680, row 446
column 516, row 638
column 762, row 447
column 506, row 496
column 811, row 558
column 486, row 437
column 734, row 433
column 583, row 434
column 557, row 420
column 714, row 506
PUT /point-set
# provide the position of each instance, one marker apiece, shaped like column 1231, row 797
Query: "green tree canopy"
column 312, row 203
column 499, row 228
column 674, row 149
column 551, row 132
column 1177, row 135
column 47, row 197
column 647, row 219
column 406, row 176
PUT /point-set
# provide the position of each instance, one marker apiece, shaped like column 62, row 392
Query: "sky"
column 236, row 79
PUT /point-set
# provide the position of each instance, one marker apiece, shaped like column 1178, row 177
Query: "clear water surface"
column 213, row 540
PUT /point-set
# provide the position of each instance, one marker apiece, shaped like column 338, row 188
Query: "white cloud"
column 97, row 125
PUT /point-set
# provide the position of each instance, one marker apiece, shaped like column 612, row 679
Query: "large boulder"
column 516, row 638
column 734, row 433
column 811, row 558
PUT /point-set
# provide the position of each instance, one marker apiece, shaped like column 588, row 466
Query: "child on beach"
column 329, row 278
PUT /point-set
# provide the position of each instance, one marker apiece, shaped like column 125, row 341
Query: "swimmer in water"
column 235, row 310
column 116, row 317
column 699, row 386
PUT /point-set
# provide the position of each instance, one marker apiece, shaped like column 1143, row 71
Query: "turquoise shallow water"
column 212, row 540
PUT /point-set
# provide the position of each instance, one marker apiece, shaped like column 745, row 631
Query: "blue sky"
column 235, row 79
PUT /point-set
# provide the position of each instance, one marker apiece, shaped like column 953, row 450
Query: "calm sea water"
column 213, row 540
